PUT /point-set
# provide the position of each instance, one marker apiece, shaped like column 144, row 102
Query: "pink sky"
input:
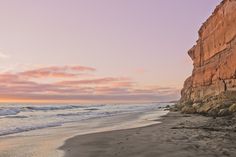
column 97, row 50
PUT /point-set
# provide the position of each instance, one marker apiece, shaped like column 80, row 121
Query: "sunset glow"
column 66, row 84
column 97, row 51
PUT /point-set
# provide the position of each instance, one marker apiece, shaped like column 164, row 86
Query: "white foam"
column 27, row 128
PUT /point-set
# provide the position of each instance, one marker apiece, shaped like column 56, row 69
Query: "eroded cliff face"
column 212, row 87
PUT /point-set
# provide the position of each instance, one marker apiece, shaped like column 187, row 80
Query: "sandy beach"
column 179, row 135
column 44, row 142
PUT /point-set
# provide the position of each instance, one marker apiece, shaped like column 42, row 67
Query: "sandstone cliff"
column 212, row 87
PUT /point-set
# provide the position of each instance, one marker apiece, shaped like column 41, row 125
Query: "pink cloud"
column 56, row 72
column 81, row 68
column 97, row 81
column 123, row 84
column 22, row 86
column 140, row 71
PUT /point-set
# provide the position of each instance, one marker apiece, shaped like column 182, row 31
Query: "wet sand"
column 178, row 135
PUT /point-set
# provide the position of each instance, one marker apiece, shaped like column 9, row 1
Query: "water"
column 18, row 118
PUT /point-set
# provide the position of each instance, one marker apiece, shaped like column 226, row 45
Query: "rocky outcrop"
column 212, row 87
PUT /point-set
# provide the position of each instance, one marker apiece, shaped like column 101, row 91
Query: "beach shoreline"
column 46, row 141
column 179, row 135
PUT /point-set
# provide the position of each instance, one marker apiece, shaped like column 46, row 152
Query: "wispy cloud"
column 140, row 70
column 3, row 55
column 56, row 72
column 21, row 85
column 96, row 81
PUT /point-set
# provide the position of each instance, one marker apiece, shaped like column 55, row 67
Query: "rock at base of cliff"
column 221, row 105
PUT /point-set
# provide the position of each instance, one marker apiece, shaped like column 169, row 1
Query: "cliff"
column 212, row 87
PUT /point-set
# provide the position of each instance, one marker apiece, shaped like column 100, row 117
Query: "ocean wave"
column 91, row 109
column 50, row 108
column 10, row 111
column 27, row 128
column 15, row 116
column 69, row 114
column 6, row 111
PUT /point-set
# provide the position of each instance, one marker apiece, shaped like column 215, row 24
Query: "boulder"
column 232, row 108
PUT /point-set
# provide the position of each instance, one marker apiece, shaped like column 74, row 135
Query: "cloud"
column 97, row 81
column 140, row 70
column 22, row 85
column 3, row 55
column 56, row 72
column 92, row 98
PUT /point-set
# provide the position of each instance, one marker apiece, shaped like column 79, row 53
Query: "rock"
column 213, row 112
column 188, row 109
column 173, row 108
column 224, row 112
column 214, row 60
column 232, row 108
column 196, row 106
column 167, row 106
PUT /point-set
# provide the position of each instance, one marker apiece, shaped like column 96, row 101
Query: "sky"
column 94, row 51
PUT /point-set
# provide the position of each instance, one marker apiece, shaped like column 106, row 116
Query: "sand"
column 178, row 135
